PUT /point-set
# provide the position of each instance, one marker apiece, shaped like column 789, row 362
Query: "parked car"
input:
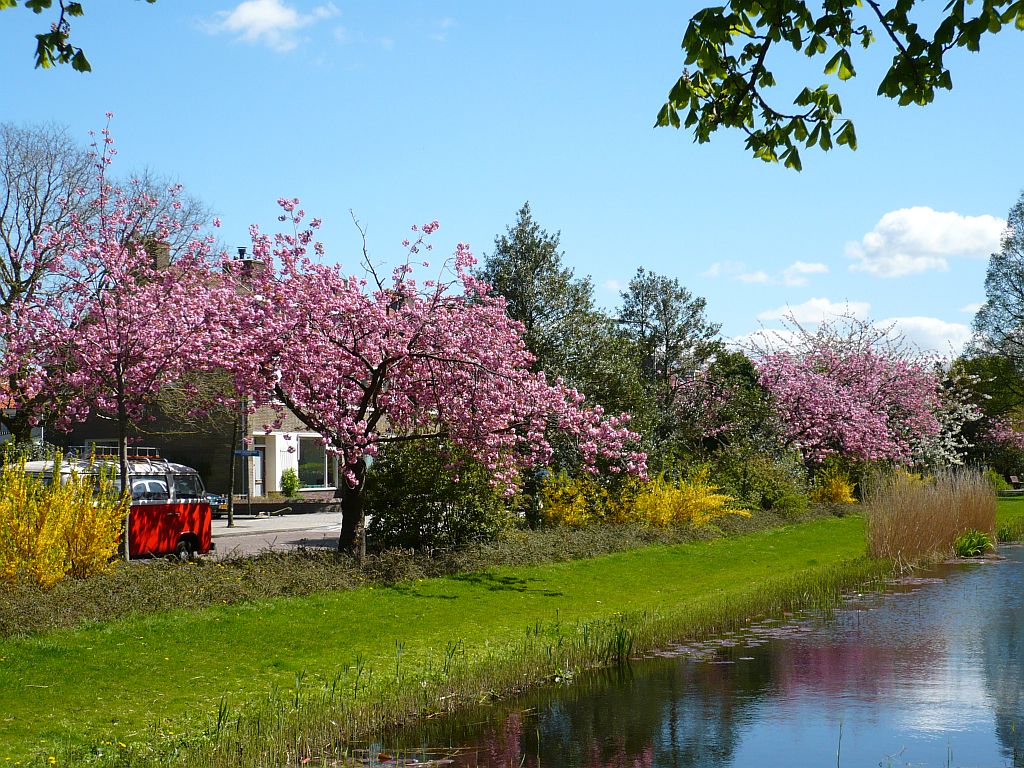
column 170, row 513
column 218, row 504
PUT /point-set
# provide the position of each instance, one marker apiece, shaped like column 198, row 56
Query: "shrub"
column 1011, row 530
column 832, row 485
column 660, row 502
column 51, row 532
column 572, row 501
column 910, row 519
column 786, row 501
column 426, row 496
column 290, row 483
column 972, row 543
column 997, row 481
column 762, row 481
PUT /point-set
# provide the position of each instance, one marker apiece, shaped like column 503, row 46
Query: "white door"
column 257, row 472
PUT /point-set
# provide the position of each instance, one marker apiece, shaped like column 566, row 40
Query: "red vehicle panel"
column 156, row 528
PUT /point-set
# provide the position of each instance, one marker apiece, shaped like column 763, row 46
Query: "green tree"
column 553, row 305
column 564, row 330
column 54, row 46
column 670, row 339
column 999, row 324
column 728, row 81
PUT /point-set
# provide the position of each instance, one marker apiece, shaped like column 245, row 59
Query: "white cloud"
column 441, row 29
column 796, row 273
column 931, row 334
column 724, row 268
column 754, row 277
column 972, row 309
column 912, row 240
column 273, row 23
column 764, row 340
column 613, row 285
column 813, row 311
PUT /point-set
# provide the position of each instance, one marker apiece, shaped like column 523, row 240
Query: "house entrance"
column 258, row 464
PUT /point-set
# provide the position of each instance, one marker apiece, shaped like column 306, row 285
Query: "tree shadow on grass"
column 488, row 581
column 495, row 583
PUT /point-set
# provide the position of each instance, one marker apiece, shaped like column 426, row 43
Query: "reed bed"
column 315, row 721
column 912, row 519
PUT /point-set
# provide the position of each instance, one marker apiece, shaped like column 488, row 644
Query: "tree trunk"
column 123, row 479
column 20, row 428
column 353, row 519
column 231, row 473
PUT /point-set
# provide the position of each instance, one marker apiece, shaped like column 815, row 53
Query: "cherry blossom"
column 370, row 360
column 852, row 392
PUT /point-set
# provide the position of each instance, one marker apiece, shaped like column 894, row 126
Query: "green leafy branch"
column 55, row 47
column 726, row 77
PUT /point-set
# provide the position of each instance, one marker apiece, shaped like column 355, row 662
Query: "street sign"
column 246, row 453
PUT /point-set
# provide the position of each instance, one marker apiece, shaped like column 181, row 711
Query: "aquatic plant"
column 972, row 544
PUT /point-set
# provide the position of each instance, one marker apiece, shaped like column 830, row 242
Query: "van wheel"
column 185, row 550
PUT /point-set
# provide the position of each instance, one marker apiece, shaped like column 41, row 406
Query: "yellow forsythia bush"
column 695, row 501
column 832, row 486
column 51, row 531
column 577, row 502
column 572, row 501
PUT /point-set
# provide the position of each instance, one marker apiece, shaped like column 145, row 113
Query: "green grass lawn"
column 120, row 681
column 1010, row 514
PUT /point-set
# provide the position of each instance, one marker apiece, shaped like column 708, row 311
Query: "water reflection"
column 931, row 674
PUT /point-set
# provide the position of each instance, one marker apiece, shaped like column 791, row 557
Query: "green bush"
column 424, row 496
column 972, row 544
column 997, row 481
column 761, row 481
column 290, row 483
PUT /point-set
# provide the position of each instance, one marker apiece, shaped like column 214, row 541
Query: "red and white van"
column 170, row 514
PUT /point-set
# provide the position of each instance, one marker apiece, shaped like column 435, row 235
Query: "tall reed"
column 910, row 518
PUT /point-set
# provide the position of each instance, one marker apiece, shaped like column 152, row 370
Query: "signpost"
column 246, row 452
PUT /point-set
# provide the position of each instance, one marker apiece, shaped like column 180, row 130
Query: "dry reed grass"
column 910, row 519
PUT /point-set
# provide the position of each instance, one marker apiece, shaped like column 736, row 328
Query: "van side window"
column 149, row 488
column 187, row 487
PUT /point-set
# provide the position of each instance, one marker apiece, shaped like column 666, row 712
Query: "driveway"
column 251, row 535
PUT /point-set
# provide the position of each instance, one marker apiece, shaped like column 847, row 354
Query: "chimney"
column 243, row 264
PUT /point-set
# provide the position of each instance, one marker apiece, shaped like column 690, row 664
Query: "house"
column 208, row 448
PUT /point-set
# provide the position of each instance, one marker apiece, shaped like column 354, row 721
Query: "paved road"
column 252, row 535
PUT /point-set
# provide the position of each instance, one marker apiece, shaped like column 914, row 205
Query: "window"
column 317, row 469
column 149, row 488
column 187, row 487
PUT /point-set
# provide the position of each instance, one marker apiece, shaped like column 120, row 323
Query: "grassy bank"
column 157, row 586
column 273, row 674
column 1010, row 518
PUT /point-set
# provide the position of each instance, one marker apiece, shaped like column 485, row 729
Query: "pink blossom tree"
column 125, row 324
column 370, row 360
column 851, row 390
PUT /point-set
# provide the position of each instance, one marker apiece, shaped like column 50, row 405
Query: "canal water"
column 928, row 673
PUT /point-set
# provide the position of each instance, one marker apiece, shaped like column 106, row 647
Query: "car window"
column 187, row 487
column 149, row 489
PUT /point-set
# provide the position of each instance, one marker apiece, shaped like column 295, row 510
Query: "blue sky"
column 408, row 111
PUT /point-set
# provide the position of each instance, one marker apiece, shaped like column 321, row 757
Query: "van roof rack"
column 135, row 453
